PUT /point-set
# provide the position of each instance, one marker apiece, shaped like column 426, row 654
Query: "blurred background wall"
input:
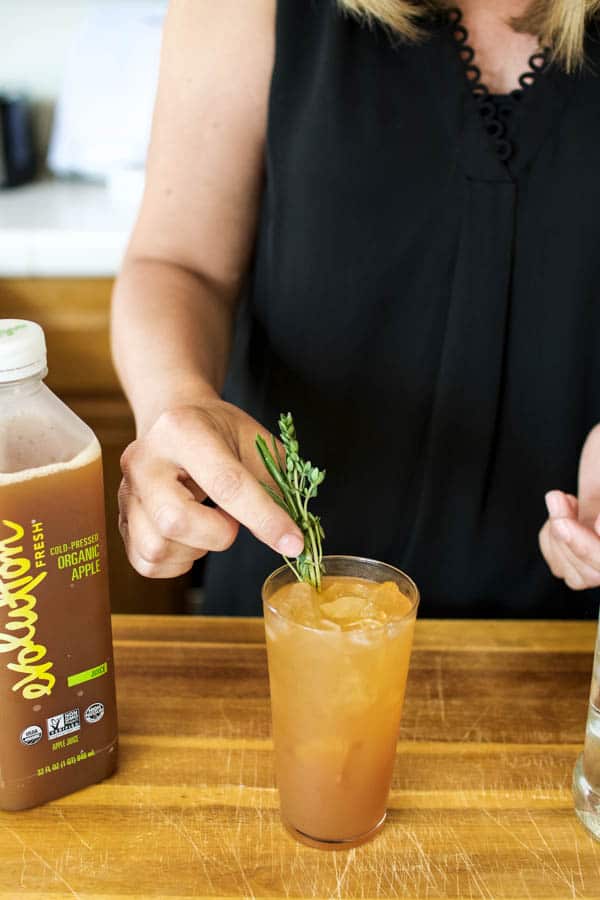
column 36, row 38
column 86, row 70
column 36, row 35
column 89, row 59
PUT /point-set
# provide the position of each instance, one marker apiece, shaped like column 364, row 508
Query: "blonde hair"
column 560, row 24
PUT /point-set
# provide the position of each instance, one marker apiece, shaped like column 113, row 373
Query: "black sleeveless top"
column 425, row 299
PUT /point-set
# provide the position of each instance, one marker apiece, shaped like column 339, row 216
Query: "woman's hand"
column 191, row 453
column 174, row 306
column 570, row 539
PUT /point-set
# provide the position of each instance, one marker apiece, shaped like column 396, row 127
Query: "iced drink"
column 338, row 663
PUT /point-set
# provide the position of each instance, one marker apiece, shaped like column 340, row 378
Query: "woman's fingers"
column 574, row 504
column 149, row 552
column 561, row 510
column 548, row 550
column 191, row 453
column 580, row 547
column 582, row 574
column 164, row 526
column 572, row 551
column 560, row 505
column 207, row 457
column 582, row 542
column 174, row 511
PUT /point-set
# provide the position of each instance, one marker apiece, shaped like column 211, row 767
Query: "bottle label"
column 64, row 723
column 31, row 735
column 56, row 659
column 18, row 639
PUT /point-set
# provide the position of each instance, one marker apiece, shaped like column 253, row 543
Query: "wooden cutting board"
column 480, row 807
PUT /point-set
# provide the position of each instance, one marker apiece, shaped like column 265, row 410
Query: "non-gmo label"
column 94, row 713
column 64, row 723
column 31, row 735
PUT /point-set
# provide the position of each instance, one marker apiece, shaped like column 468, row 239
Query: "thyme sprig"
column 298, row 481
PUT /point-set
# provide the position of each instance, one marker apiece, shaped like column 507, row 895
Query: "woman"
column 418, row 251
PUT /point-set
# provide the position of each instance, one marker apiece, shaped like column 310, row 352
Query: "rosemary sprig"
column 298, row 481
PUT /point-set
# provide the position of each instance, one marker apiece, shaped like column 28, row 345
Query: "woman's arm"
column 175, row 299
column 174, row 302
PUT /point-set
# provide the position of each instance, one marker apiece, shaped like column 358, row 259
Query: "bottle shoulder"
column 37, row 429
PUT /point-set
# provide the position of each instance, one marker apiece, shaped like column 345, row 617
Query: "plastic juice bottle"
column 58, row 730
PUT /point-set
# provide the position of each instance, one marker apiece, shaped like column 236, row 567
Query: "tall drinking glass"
column 336, row 701
column 586, row 777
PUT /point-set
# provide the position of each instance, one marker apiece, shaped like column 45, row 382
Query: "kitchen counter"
column 480, row 806
column 66, row 229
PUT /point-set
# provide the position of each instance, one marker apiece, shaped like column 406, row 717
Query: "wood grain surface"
column 480, row 804
column 75, row 315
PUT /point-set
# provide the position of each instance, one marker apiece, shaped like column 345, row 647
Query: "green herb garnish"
column 298, row 482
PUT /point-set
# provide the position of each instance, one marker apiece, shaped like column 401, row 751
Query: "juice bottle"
column 57, row 692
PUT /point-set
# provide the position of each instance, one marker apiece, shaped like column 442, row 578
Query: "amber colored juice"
column 57, row 692
column 338, row 664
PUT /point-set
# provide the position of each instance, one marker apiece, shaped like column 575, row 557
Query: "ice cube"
column 297, row 602
column 365, row 623
column 390, row 602
column 347, row 609
column 329, row 625
column 356, row 603
column 345, row 587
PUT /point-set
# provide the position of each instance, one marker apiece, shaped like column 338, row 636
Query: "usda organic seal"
column 94, row 713
column 31, row 735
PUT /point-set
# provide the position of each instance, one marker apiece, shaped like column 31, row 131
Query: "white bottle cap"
column 22, row 350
